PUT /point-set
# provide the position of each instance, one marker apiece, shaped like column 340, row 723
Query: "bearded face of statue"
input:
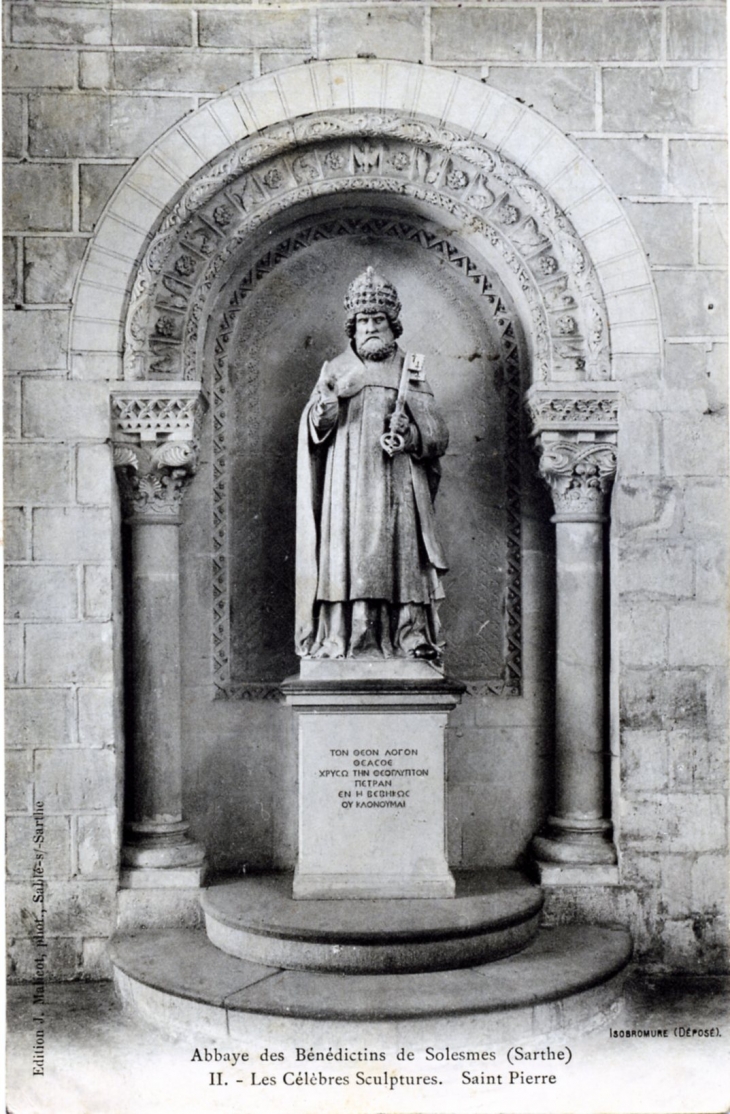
column 374, row 337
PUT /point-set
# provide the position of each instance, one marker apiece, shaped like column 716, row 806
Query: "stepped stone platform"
column 478, row 957
column 494, row 913
column 567, row 976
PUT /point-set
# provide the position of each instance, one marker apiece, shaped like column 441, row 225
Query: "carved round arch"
column 529, row 244
column 552, row 227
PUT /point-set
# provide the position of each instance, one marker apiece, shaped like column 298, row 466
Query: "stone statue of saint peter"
column 369, row 561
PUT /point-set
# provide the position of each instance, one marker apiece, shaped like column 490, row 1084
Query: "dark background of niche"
column 288, row 325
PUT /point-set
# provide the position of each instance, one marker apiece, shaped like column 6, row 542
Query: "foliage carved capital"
column 579, row 471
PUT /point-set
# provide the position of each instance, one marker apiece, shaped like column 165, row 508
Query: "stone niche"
column 235, row 301
column 277, row 315
column 241, row 289
column 286, row 323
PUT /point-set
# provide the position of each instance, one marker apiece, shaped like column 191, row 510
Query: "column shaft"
column 579, row 471
column 154, row 651
column 579, row 681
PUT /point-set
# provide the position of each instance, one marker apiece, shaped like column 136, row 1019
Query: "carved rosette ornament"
column 155, row 437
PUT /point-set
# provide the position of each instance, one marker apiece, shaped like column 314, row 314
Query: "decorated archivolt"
column 528, row 240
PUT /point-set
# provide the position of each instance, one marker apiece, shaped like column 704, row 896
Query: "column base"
column 161, row 877
column 155, row 906
column 575, row 842
column 160, row 846
column 577, row 874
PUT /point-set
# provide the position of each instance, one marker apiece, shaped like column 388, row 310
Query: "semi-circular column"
column 576, row 437
column 155, row 457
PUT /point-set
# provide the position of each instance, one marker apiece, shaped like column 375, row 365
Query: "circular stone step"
column 566, row 977
column 494, row 913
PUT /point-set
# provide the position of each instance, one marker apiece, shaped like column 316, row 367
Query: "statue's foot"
column 328, row 650
column 425, row 652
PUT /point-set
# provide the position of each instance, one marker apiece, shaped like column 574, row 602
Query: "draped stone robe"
column 366, row 529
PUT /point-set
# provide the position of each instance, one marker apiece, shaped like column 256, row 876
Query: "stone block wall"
column 639, row 86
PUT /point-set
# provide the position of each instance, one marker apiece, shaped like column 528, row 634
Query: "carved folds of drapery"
column 575, row 430
column 155, row 434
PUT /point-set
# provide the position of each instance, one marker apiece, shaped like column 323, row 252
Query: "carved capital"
column 155, row 432
column 579, row 474
column 152, row 481
column 575, row 428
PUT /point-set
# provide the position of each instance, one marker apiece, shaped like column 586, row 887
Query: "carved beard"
column 374, row 349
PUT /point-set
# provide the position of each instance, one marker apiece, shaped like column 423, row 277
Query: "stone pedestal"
column 155, row 455
column 576, row 433
column 372, row 815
